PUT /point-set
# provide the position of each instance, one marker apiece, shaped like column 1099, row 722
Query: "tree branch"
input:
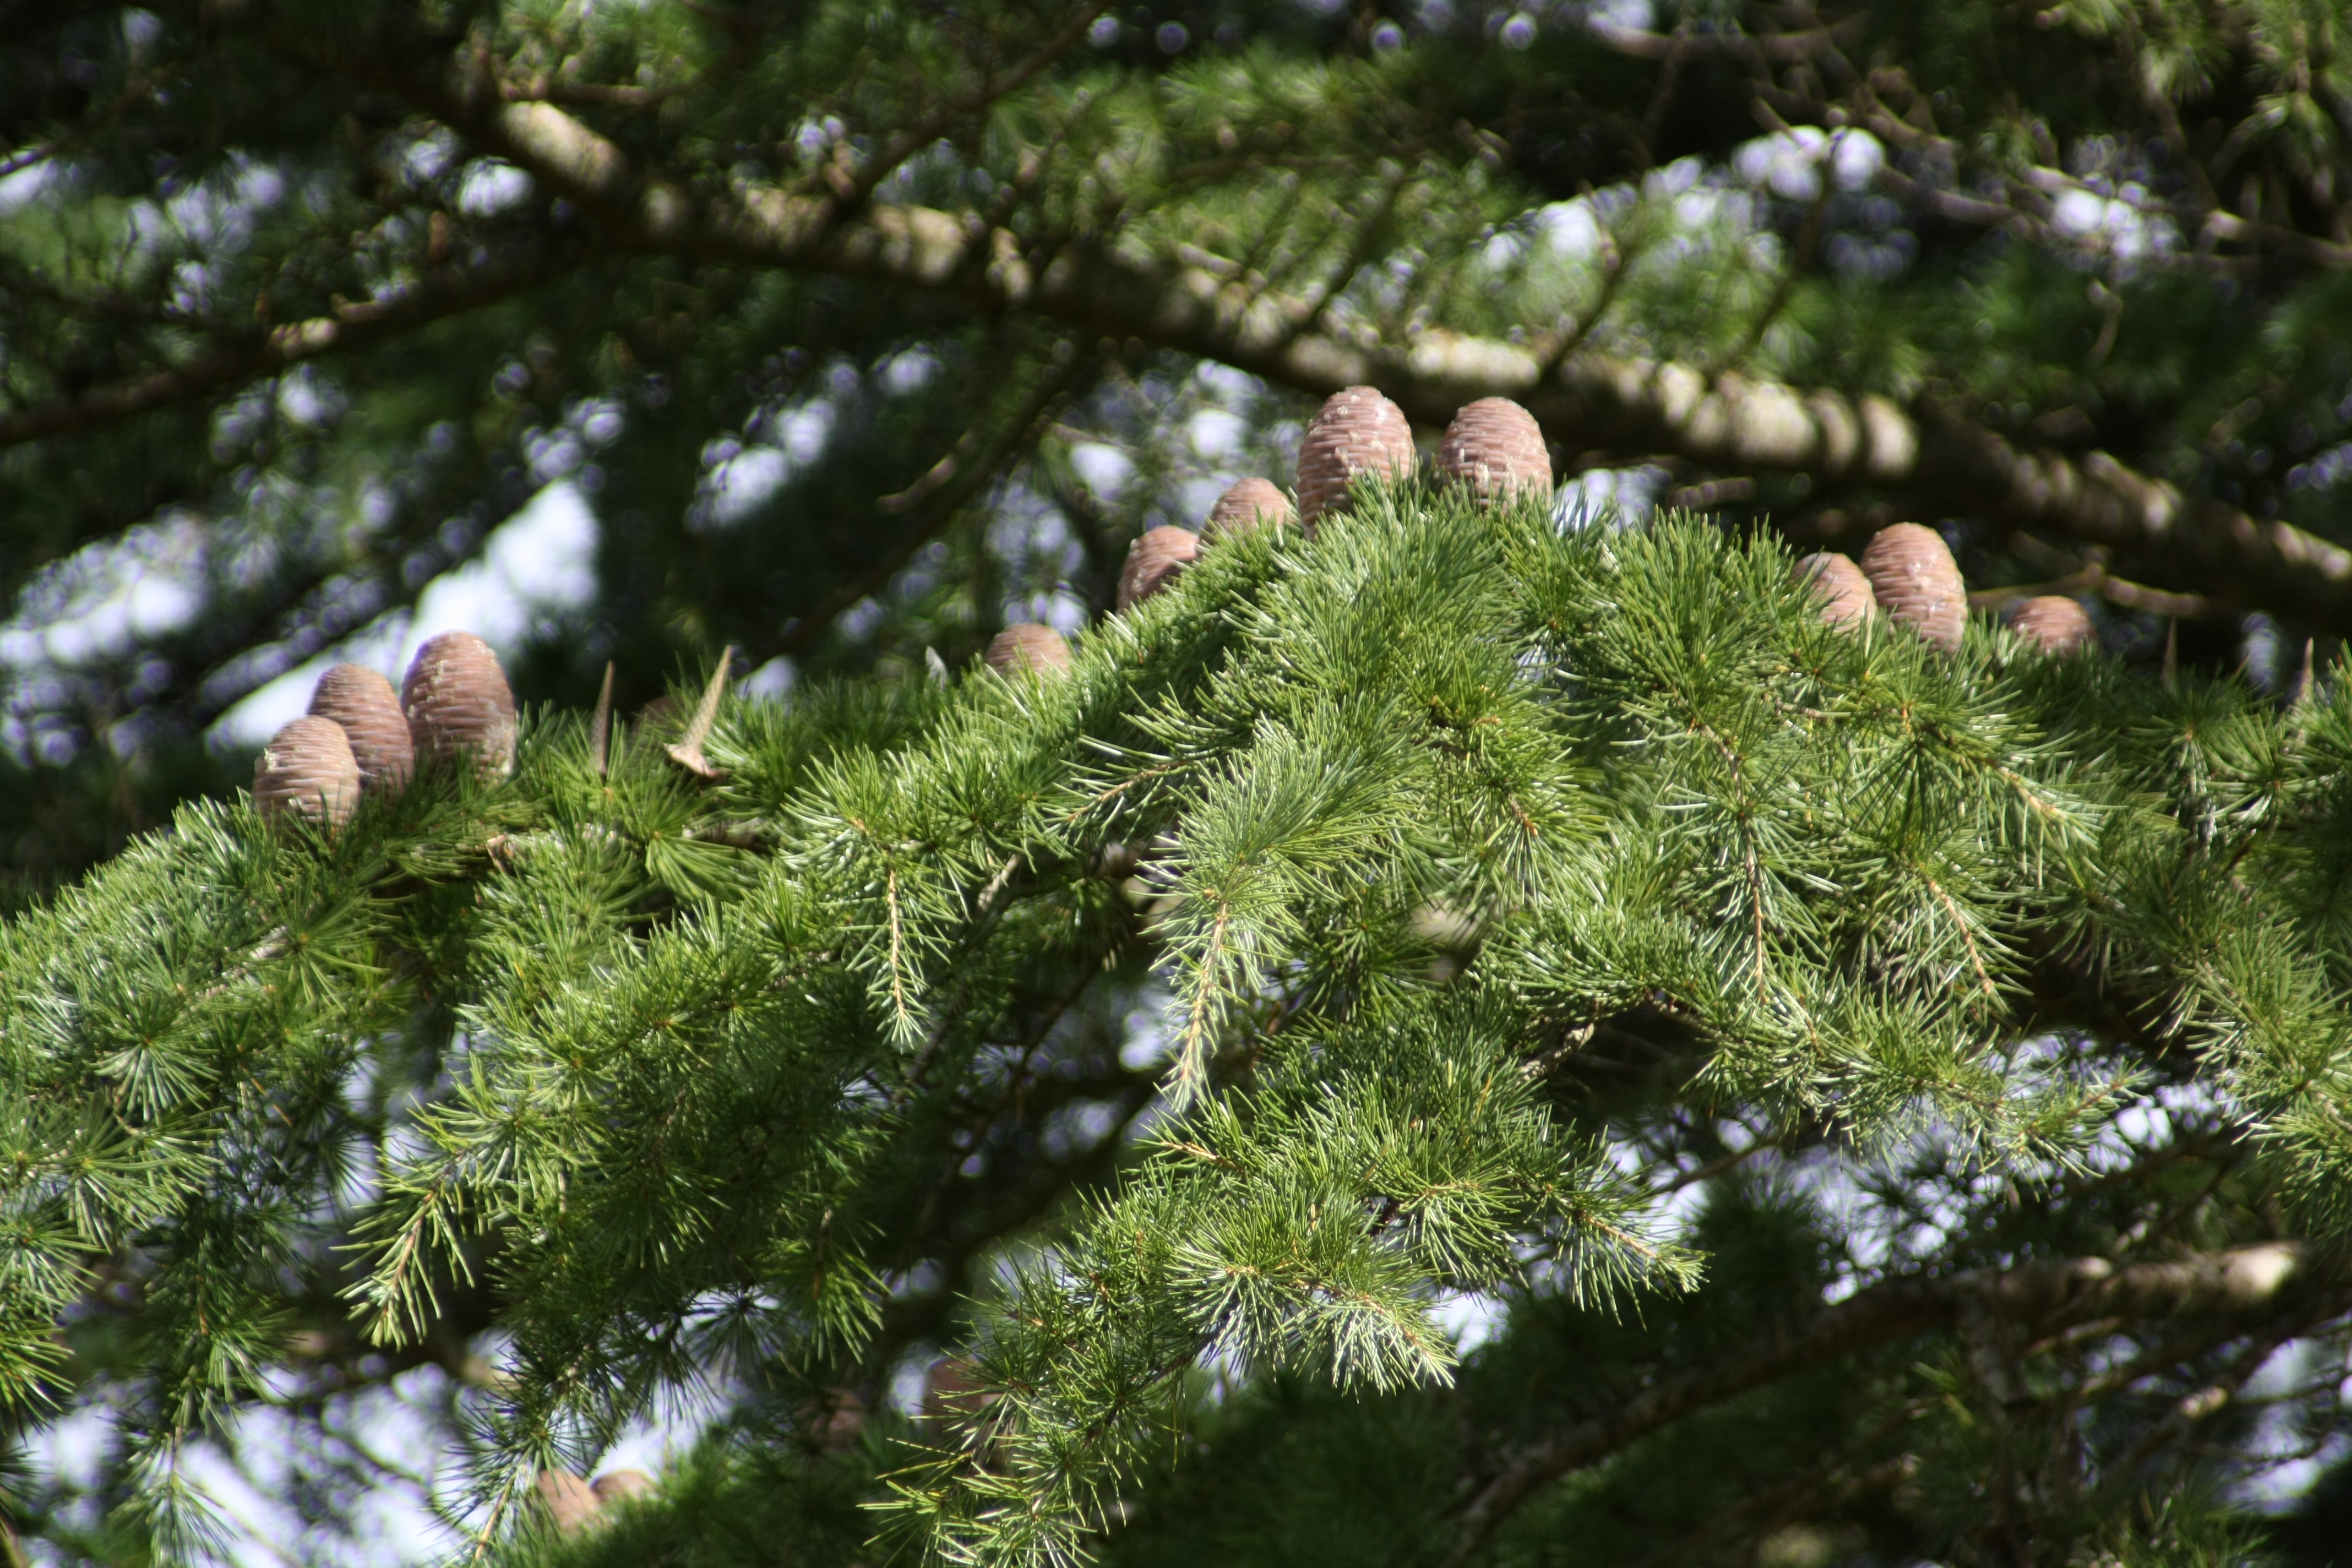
column 2242, row 1280
column 233, row 364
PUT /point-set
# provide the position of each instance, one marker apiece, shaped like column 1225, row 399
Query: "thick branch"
column 2243, row 1281
column 234, row 364
column 1626, row 406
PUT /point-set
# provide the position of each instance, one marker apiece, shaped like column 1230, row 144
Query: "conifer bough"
column 1478, row 854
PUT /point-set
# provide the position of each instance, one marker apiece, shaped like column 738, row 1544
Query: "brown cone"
column 1247, row 507
column 1839, row 587
column 2053, row 625
column 1027, row 648
column 363, row 702
column 306, row 774
column 1496, row 448
column 1357, row 431
column 569, row 1499
column 621, row 1486
column 459, row 705
column 1153, row 561
column 1918, row 582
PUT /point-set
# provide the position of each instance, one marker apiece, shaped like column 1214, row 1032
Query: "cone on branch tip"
column 459, row 706
column 616, row 1486
column 306, row 774
column 1840, row 589
column 1357, row 431
column 363, row 702
column 1027, row 648
column 569, row 1500
column 1244, row 508
column 1918, row 584
column 2053, row 625
column 1153, row 561
column 1496, row 448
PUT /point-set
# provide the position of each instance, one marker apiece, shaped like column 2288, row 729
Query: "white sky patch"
column 1623, row 496
column 1571, row 228
column 538, row 561
column 1216, row 433
column 1103, row 468
column 488, row 187
column 138, row 588
column 25, row 186
column 1470, row 1318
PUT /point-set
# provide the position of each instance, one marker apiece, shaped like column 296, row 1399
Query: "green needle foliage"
column 1363, row 923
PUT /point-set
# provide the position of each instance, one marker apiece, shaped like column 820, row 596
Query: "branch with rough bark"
column 2242, row 1282
column 1920, row 456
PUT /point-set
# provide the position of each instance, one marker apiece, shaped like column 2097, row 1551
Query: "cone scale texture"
column 1496, row 448
column 1027, row 648
column 2053, row 625
column 363, row 702
column 306, row 774
column 1153, row 561
column 459, row 706
column 1250, row 505
column 1357, row 431
column 1918, row 584
column 1839, row 587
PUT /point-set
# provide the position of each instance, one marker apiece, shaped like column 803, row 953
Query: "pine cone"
column 2053, row 625
column 1918, row 582
column 1027, row 648
column 1153, row 560
column 363, row 702
column 1246, row 507
column 1495, row 447
column 459, row 705
column 1839, row 587
column 307, row 773
column 621, row 1486
column 1357, row 431
column 569, row 1499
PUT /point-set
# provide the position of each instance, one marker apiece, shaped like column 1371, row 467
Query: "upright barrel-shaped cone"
column 569, row 1501
column 1357, row 431
column 1917, row 583
column 459, row 706
column 1153, row 561
column 1496, row 448
column 363, row 702
column 1244, row 508
column 1839, row 587
column 306, row 774
column 2053, row 625
column 1027, row 648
